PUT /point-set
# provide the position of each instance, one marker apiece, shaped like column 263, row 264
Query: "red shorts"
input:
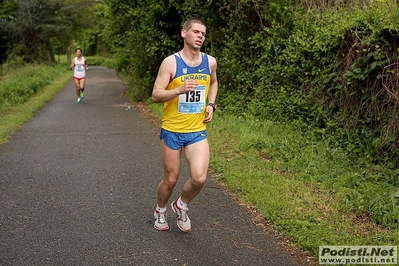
column 78, row 78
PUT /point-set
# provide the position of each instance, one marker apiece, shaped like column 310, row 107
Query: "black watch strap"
column 213, row 106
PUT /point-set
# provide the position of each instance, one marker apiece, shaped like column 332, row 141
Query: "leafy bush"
column 21, row 83
column 328, row 69
column 100, row 61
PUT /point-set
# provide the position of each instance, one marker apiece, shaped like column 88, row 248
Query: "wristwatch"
column 213, row 106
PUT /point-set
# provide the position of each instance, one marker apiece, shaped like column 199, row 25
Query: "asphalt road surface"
column 78, row 187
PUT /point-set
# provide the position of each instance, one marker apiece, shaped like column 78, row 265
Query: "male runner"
column 187, row 85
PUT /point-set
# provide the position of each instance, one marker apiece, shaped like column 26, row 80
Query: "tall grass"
column 101, row 61
column 313, row 193
column 20, row 84
column 25, row 89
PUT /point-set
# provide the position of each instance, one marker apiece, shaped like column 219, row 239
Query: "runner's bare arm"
column 159, row 92
column 72, row 64
column 87, row 67
column 165, row 74
column 213, row 89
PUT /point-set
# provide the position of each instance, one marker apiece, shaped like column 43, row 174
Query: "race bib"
column 192, row 102
column 79, row 68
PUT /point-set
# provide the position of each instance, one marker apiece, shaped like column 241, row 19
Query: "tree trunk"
column 69, row 47
column 50, row 51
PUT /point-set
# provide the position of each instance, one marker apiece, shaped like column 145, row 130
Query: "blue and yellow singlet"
column 186, row 113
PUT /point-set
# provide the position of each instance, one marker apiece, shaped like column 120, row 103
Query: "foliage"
column 143, row 33
column 332, row 70
column 31, row 29
column 36, row 29
column 86, row 23
column 8, row 9
column 362, row 189
column 310, row 191
column 100, row 61
column 363, row 99
column 11, row 118
column 21, row 83
column 296, row 179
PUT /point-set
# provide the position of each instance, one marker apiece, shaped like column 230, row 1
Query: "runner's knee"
column 170, row 181
column 198, row 181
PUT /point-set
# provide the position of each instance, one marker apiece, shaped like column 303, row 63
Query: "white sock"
column 181, row 204
column 161, row 209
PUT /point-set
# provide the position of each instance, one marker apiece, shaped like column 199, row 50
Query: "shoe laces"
column 183, row 215
column 161, row 217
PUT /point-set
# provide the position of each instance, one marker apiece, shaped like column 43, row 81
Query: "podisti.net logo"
column 358, row 255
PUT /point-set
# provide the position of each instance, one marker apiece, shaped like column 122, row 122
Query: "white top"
column 80, row 68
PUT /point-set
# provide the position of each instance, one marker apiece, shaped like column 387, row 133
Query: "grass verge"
column 301, row 188
column 14, row 117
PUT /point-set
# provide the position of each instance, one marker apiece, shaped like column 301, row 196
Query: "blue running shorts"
column 176, row 140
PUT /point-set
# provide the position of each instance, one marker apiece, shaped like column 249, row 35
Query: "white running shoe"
column 161, row 221
column 79, row 100
column 183, row 222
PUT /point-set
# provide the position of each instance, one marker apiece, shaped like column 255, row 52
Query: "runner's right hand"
column 189, row 85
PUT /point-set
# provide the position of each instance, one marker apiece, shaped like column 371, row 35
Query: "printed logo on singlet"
column 194, row 76
column 201, row 70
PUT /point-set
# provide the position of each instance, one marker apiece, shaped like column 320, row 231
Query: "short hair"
column 187, row 25
column 79, row 49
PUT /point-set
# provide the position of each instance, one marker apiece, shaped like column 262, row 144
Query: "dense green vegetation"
column 33, row 31
column 24, row 90
column 22, row 83
column 308, row 119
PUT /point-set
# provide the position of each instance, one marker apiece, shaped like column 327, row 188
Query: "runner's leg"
column 171, row 165
column 82, row 84
column 77, row 85
column 197, row 155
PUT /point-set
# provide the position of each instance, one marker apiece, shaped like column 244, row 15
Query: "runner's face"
column 195, row 36
column 78, row 53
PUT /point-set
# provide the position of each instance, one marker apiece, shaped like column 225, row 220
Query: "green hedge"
column 20, row 83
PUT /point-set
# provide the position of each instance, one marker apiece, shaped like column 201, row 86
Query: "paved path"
column 78, row 187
